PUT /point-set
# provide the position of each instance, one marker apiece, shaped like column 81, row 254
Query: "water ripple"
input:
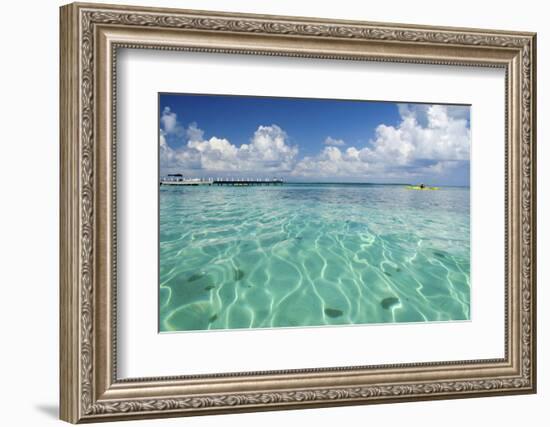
column 312, row 255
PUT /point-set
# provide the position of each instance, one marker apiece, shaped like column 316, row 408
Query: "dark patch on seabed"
column 333, row 312
column 238, row 274
column 196, row 276
column 209, row 287
column 389, row 302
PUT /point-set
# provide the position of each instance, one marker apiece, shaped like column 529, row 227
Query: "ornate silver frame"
column 90, row 36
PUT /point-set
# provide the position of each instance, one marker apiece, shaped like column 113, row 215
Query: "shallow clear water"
column 312, row 255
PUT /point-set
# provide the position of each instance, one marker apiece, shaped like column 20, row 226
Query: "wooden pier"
column 245, row 182
column 178, row 179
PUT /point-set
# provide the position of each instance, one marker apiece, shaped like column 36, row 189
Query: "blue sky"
column 313, row 139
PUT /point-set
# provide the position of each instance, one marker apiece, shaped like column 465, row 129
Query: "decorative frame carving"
column 90, row 36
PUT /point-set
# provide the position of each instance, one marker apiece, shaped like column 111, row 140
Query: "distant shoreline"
column 366, row 184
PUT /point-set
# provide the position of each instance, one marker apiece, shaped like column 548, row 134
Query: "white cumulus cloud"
column 193, row 132
column 332, row 162
column 174, row 160
column 168, row 120
column 334, row 142
column 429, row 139
column 267, row 150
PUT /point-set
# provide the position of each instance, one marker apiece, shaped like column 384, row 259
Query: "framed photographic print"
column 265, row 212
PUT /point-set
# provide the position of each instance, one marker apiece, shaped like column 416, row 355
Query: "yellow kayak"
column 418, row 187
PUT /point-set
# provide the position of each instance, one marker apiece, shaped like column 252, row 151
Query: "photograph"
column 279, row 212
column 268, row 209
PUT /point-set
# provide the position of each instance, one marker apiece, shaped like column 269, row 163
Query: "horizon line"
column 324, row 182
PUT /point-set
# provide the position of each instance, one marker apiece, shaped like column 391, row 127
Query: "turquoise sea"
column 312, row 255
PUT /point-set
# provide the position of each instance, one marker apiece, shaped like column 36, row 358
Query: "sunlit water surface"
column 312, row 255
